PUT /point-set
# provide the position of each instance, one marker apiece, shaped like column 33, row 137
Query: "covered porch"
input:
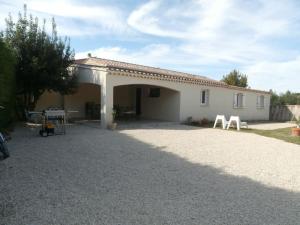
column 146, row 102
column 133, row 103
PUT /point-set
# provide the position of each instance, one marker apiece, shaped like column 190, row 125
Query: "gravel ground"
column 161, row 175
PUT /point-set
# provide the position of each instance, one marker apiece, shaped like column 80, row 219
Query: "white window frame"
column 239, row 100
column 260, row 102
column 206, row 103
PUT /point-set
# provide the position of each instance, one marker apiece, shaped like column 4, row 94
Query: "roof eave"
column 176, row 78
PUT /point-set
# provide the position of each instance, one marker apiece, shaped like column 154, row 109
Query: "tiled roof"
column 163, row 74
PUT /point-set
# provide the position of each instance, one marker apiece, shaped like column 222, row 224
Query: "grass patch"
column 281, row 134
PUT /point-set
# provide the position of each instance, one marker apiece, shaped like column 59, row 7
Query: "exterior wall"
column 91, row 75
column 124, row 96
column 86, row 93
column 49, row 99
column 220, row 99
column 185, row 103
column 221, row 102
column 89, row 91
column 166, row 107
column 76, row 102
column 96, row 75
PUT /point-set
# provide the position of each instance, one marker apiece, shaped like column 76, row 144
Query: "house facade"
column 153, row 93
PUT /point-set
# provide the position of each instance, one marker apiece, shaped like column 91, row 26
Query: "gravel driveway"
column 162, row 175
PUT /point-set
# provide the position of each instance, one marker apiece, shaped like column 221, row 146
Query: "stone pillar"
column 107, row 98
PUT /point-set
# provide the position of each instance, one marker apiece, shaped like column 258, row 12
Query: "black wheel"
column 4, row 149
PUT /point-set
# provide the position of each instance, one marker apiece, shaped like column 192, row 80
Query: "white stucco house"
column 154, row 93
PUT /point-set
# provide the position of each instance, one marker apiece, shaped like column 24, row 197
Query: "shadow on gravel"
column 108, row 177
column 144, row 124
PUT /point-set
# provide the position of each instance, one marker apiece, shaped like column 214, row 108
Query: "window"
column 239, row 100
column 204, row 98
column 154, row 93
column 260, row 102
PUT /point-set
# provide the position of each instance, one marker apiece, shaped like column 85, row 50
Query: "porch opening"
column 85, row 103
column 146, row 102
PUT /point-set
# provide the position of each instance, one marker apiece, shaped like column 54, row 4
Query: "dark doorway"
column 138, row 96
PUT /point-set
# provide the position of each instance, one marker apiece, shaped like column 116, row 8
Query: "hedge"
column 7, row 85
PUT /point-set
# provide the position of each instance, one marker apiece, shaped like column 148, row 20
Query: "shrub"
column 7, row 85
column 204, row 122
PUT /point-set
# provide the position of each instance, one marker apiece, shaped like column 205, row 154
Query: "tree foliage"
column 236, row 78
column 287, row 98
column 7, row 84
column 42, row 59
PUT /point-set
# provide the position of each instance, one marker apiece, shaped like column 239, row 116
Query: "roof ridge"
column 153, row 67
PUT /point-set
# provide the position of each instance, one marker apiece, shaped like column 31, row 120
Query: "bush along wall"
column 7, row 85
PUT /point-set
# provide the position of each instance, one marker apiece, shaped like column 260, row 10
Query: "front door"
column 138, row 96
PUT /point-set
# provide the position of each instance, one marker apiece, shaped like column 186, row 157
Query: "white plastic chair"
column 237, row 121
column 223, row 120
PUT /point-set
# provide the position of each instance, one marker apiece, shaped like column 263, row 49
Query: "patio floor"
column 167, row 174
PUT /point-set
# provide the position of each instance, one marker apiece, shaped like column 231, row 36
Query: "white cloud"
column 157, row 55
column 142, row 20
column 115, row 53
column 238, row 33
column 264, row 75
column 198, row 36
column 206, row 19
column 73, row 19
column 279, row 76
column 106, row 17
column 148, row 55
column 221, row 29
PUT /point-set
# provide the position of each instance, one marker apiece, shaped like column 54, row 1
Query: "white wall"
column 165, row 107
column 185, row 104
column 77, row 101
column 220, row 99
column 97, row 75
column 221, row 102
column 49, row 99
column 124, row 96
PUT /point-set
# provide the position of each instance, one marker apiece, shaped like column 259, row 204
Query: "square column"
column 107, row 101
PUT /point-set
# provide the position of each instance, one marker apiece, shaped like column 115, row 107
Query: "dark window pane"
column 203, row 97
column 154, row 92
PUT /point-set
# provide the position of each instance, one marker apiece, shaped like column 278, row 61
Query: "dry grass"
column 282, row 134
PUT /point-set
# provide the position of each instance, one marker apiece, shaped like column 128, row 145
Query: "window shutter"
column 235, row 97
column 201, row 97
column 243, row 100
column 258, row 101
column 207, row 97
column 262, row 101
column 204, row 97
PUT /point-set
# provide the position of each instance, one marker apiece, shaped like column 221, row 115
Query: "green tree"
column 7, row 85
column 236, row 78
column 287, row 98
column 275, row 99
column 42, row 60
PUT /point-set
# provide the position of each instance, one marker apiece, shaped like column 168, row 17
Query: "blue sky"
column 261, row 38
